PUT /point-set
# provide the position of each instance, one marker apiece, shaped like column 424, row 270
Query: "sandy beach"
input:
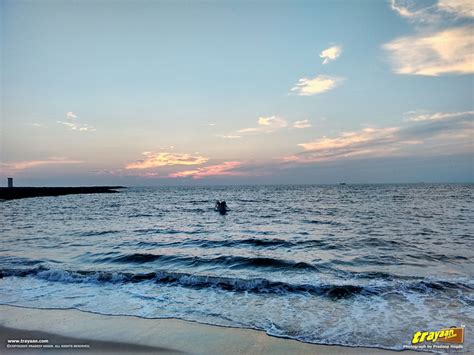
column 95, row 333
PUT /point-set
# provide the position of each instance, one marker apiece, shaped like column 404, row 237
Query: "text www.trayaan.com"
column 27, row 341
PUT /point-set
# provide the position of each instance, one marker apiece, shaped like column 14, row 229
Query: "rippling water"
column 355, row 265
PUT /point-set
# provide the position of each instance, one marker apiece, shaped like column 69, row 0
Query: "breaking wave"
column 256, row 285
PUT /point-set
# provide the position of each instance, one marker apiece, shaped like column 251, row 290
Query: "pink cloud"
column 162, row 159
column 350, row 139
column 224, row 169
column 371, row 142
column 23, row 165
column 429, row 133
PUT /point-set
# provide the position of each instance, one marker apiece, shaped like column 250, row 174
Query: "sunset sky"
column 230, row 92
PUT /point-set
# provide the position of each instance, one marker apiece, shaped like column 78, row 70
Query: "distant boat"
column 342, row 183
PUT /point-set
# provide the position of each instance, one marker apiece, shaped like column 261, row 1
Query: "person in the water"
column 221, row 206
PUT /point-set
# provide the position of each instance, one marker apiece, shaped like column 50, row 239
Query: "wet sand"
column 69, row 345
column 134, row 335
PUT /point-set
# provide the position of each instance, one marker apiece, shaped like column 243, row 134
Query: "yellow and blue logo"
column 453, row 335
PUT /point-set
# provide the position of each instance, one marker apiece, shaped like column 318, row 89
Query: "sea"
column 354, row 265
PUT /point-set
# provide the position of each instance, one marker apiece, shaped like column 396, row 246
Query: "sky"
column 236, row 92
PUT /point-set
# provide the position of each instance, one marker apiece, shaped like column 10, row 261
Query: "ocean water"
column 358, row 265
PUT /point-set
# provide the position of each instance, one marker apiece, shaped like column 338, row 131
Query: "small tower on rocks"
column 10, row 182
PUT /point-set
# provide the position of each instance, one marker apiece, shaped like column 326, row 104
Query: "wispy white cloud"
column 330, row 54
column 402, row 10
column 229, row 136
column 316, row 85
column 415, row 11
column 34, row 124
column 301, row 124
column 417, row 117
column 424, row 13
column 448, row 51
column 268, row 124
column 162, row 159
column 74, row 125
column 81, row 127
column 71, row 115
column 265, row 125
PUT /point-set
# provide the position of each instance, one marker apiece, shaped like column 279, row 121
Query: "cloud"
column 435, row 49
column 266, row 125
column 148, row 174
column 366, row 142
column 228, row 136
column 316, row 85
column 130, row 173
column 271, row 122
column 350, row 139
column 162, row 159
column 71, row 115
column 330, row 54
column 78, row 126
column 224, row 169
column 302, row 124
column 445, row 52
column 460, row 8
column 23, row 165
column 228, row 168
column 450, row 131
column 34, row 124
column 415, row 11
column 74, row 125
column 401, row 10
column 418, row 11
column 438, row 116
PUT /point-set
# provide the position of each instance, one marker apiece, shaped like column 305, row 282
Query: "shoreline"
column 131, row 334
